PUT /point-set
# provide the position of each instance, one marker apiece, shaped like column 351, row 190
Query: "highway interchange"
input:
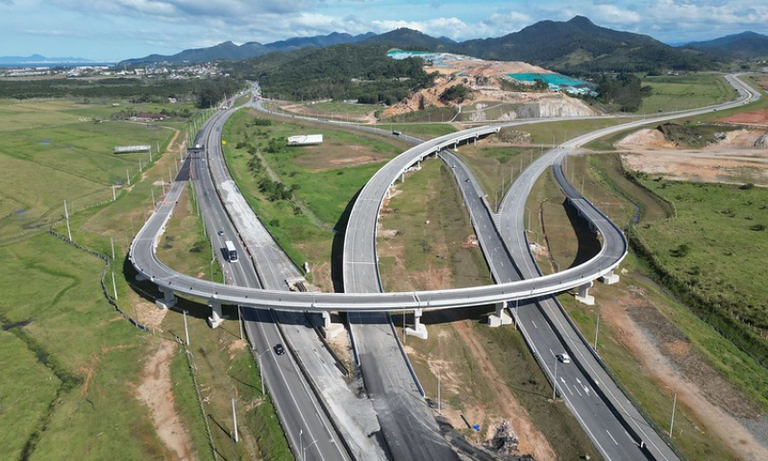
column 510, row 262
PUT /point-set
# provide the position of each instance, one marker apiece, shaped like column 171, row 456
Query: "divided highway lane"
column 305, row 424
column 353, row 416
column 604, row 428
column 512, row 229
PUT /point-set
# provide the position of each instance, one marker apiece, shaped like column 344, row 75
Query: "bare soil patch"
column 156, row 391
column 484, row 79
column 334, row 154
column 532, row 441
column 758, row 118
column 737, row 158
column 667, row 355
column 148, row 314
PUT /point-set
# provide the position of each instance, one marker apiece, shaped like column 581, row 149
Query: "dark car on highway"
column 279, row 349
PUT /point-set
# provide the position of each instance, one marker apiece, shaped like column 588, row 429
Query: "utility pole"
column 554, row 382
column 66, row 215
column 439, row 406
column 234, row 419
column 597, row 329
column 152, row 191
column 405, row 333
column 127, row 175
column 672, row 423
column 240, row 321
column 186, row 328
column 139, row 165
column 112, row 241
column 114, row 197
column 114, row 286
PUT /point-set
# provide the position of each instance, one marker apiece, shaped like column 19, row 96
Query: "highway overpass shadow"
column 588, row 243
column 149, row 292
column 477, row 314
column 337, row 247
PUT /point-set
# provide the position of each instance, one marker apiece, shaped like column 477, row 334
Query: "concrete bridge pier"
column 418, row 330
column 500, row 317
column 330, row 329
column 610, row 278
column 216, row 317
column 584, row 296
column 169, row 299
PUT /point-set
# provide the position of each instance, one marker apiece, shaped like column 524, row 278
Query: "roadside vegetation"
column 730, row 380
column 708, row 254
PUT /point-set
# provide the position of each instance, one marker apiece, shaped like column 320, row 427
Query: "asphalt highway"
column 311, row 435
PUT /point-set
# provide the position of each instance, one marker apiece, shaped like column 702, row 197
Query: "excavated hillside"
column 488, row 99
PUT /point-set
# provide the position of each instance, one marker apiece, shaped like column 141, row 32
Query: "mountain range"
column 746, row 45
column 229, row 50
column 38, row 60
column 577, row 45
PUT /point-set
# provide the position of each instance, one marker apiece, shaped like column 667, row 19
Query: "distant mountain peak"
column 581, row 21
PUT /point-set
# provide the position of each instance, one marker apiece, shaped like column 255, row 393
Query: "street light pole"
column 554, row 382
column 597, row 329
column 672, row 422
column 186, row 328
column 240, row 321
column 234, row 419
column 439, row 406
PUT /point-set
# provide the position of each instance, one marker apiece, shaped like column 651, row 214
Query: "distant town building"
column 305, row 140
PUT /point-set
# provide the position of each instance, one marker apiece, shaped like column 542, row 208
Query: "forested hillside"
column 339, row 72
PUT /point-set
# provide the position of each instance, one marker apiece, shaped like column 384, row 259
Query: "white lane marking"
column 534, row 324
column 609, row 435
column 566, row 386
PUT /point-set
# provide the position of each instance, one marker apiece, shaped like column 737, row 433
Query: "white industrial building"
column 305, row 140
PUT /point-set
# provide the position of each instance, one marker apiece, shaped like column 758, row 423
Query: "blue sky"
column 120, row 29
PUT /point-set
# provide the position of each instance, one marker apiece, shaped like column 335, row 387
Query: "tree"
column 455, row 93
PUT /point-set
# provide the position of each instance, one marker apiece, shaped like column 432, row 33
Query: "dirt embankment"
column 668, row 357
column 738, row 156
column 156, row 391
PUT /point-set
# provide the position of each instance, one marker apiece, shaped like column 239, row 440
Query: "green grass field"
column 83, row 359
column 429, row 115
column 340, row 108
column 52, row 151
column 712, row 249
column 71, row 363
column 687, row 91
column 496, row 167
column 324, row 179
column 432, row 225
